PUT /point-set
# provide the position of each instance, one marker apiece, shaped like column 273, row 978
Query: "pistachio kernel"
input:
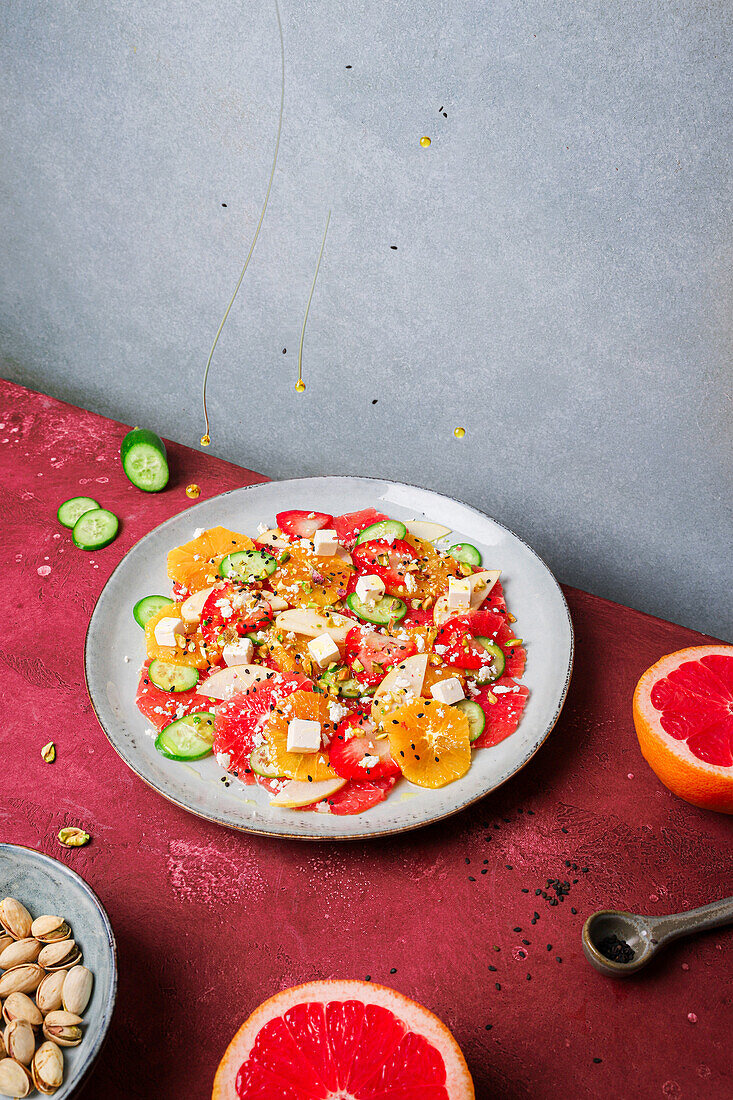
column 72, row 837
column 48, row 752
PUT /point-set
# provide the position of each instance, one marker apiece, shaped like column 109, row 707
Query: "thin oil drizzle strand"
column 206, row 438
column 300, row 384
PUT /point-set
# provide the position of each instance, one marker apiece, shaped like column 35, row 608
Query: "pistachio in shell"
column 21, row 979
column 20, row 951
column 5, row 940
column 77, row 989
column 50, row 929
column 49, row 992
column 47, row 1068
column 20, row 1042
column 62, row 1028
column 15, row 1080
column 19, row 1006
column 3, row 1052
column 59, row 956
column 15, row 918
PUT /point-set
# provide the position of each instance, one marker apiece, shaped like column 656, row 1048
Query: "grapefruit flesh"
column 502, row 717
column 683, row 714
column 342, row 1040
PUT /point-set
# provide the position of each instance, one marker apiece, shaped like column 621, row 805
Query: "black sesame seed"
column 522, row 954
column 573, row 910
column 564, row 830
column 368, row 978
column 597, row 1060
column 518, row 929
column 529, row 977
column 498, row 985
column 492, row 969
column 488, row 1026
column 558, row 959
column 393, row 970
column 471, row 878
column 526, row 943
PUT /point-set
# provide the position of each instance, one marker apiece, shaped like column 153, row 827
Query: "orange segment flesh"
column 193, row 562
column 305, row 766
column 173, row 654
column 430, row 742
column 432, row 577
column 294, row 579
column 435, row 673
column 290, row 654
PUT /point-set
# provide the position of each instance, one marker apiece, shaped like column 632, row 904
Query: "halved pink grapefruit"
column 683, row 714
column 342, row 1040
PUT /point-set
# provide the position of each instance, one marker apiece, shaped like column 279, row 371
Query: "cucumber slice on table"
column 170, row 677
column 498, row 659
column 475, row 715
column 70, row 511
column 385, row 529
column 188, row 738
column 260, row 764
column 465, row 552
column 388, row 609
column 147, row 607
column 95, row 529
column 144, row 460
column 246, row 565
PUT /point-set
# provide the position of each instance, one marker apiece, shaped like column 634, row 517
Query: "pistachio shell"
column 20, row 1042
column 48, row 994
column 50, row 929
column 15, row 918
column 77, row 989
column 3, row 1052
column 15, row 1080
column 59, row 956
column 19, row 1006
column 47, row 1068
column 5, row 940
column 20, row 951
column 62, row 1028
column 21, row 979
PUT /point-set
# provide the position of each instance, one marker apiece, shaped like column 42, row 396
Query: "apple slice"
column 273, row 537
column 312, row 623
column 407, row 678
column 296, row 793
column 481, row 585
column 232, row 681
column 192, row 608
column 429, row 532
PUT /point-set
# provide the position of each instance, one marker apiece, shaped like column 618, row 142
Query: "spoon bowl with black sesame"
column 620, row 944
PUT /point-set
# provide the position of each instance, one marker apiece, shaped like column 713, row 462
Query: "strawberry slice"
column 353, row 743
column 374, row 653
column 352, row 524
column 238, row 721
column 387, row 560
column 303, row 525
column 230, row 612
column 357, row 796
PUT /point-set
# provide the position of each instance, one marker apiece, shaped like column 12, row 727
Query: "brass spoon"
column 646, row 935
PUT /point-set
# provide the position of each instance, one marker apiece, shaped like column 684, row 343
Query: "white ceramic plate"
column 532, row 593
column 46, row 886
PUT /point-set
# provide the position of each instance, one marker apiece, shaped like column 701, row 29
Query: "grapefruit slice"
column 683, row 713
column 342, row 1040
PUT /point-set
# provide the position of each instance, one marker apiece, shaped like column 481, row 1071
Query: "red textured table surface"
column 210, row 922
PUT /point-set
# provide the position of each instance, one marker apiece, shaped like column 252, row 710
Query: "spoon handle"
column 714, row 915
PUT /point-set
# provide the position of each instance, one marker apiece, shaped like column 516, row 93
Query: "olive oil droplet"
column 300, row 386
column 425, row 141
column 192, row 491
column 459, row 432
column 205, row 440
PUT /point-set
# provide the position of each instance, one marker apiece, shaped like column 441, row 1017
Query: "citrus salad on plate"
column 328, row 656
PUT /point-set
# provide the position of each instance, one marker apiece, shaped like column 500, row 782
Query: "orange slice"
column 306, row 580
column 174, row 654
column 308, row 767
column 432, row 577
column 430, row 742
column 437, row 672
column 289, row 654
column 194, row 562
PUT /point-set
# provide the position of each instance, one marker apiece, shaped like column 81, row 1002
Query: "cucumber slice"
column 499, row 660
column 147, row 607
column 388, row 609
column 352, row 689
column 385, row 529
column 465, row 552
column 247, row 565
column 188, row 738
column 349, row 689
column 74, row 507
column 144, row 460
column 260, row 764
column 170, row 677
column 476, row 717
column 95, row 529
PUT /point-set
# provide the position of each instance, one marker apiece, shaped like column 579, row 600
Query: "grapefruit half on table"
column 683, row 713
column 342, row 1040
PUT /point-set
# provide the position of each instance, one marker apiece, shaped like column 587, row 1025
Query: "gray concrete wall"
column 561, row 285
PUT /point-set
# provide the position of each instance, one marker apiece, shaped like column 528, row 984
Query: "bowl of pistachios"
column 58, row 976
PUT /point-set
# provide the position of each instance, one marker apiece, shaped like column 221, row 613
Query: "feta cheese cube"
column 238, row 653
column 325, row 543
column 323, row 650
column 304, row 735
column 448, row 691
column 370, row 589
column 459, row 594
column 168, row 630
